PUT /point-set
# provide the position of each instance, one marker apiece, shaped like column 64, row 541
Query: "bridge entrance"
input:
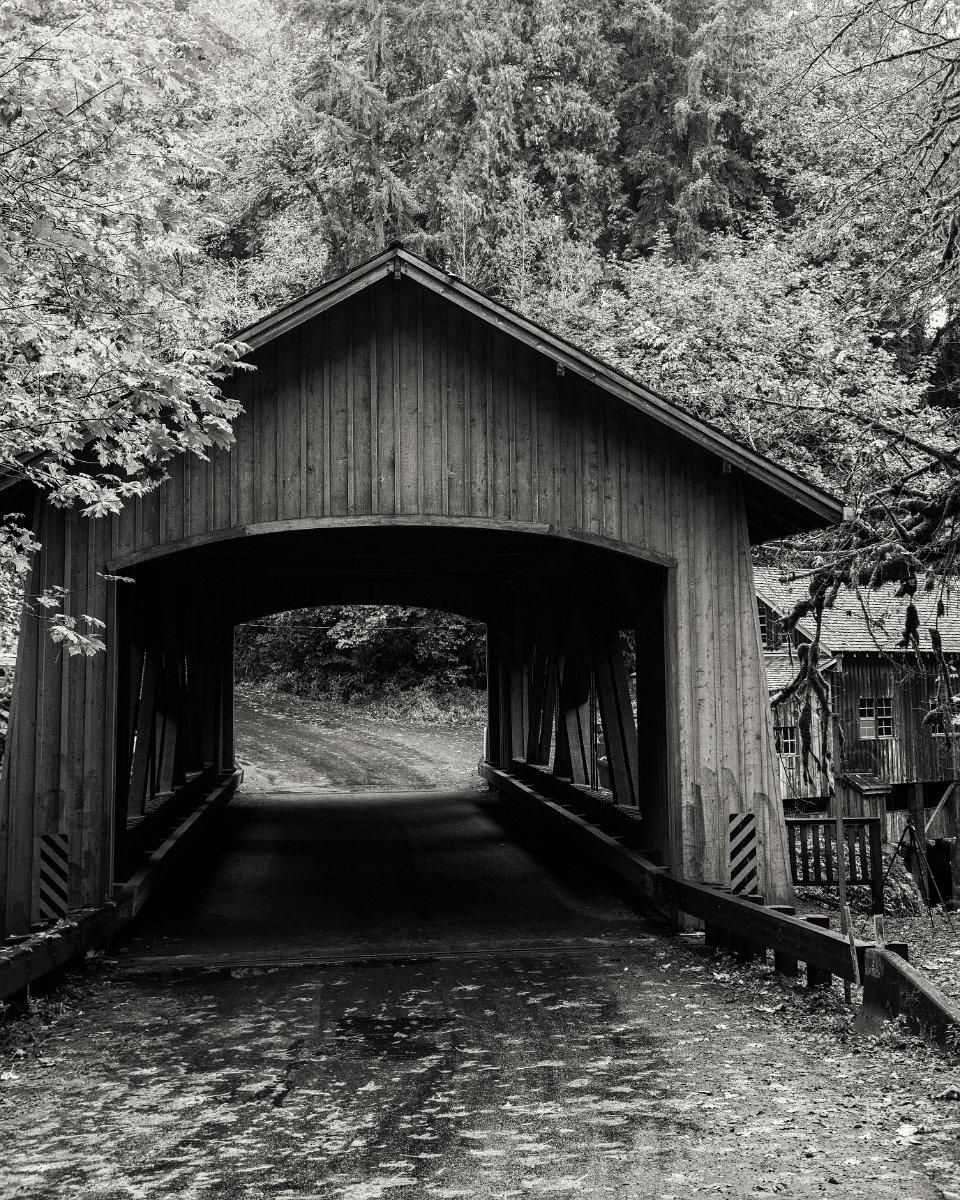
column 559, row 696
column 406, row 440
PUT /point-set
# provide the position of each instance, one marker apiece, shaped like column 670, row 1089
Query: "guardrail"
column 747, row 925
column 24, row 960
column 814, row 861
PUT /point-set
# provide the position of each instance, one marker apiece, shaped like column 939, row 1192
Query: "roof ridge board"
column 312, row 302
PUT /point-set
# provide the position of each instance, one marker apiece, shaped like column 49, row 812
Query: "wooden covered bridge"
column 407, row 440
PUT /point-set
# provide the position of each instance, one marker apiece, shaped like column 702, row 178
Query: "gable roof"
column 779, row 503
column 866, row 620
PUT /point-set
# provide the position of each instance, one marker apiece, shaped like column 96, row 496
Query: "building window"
column 764, row 628
column 785, row 737
column 876, row 716
column 935, row 726
column 771, row 626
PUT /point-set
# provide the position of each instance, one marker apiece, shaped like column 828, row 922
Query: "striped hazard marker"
column 54, row 876
column 743, row 853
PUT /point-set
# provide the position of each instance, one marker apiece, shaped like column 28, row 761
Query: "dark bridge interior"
column 475, row 572
column 554, row 609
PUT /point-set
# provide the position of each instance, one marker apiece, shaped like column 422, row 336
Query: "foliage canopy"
column 750, row 206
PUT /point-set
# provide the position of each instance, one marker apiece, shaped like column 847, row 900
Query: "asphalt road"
column 298, row 877
column 482, row 1015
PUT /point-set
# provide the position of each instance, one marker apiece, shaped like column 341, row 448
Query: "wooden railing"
column 814, row 862
column 747, row 925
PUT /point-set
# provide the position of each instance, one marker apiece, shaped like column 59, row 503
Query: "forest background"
column 749, row 205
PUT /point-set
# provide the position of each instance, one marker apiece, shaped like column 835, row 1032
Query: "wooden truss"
column 561, row 696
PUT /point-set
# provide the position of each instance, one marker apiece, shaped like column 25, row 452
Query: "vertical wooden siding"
column 58, row 766
column 913, row 753
column 397, row 404
column 723, row 721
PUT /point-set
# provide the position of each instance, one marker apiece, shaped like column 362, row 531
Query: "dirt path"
column 289, row 743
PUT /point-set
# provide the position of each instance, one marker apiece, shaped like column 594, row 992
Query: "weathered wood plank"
column 267, row 500
column 338, row 360
column 479, row 424
column 523, row 435
column 431, row 448
column 456, row 409
column 500, row 447
column 314, row 401
column 362, row 428
column 410, row 381
column 574, row 680
column 616, row 713
column 289, row 444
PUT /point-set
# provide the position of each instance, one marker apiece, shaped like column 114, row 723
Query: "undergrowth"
column 423, row 705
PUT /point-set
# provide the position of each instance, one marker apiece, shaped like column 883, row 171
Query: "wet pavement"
column 624, row 1074
column 483, row 1015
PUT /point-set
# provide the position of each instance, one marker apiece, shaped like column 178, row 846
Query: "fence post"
column 747, row 949
column 876, row 865
column 783, row 964
column 816, row 977
column 714, row 935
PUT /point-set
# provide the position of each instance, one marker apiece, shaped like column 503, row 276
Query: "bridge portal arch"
column 407, row 440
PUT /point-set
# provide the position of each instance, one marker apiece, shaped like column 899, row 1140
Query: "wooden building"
column 405, row 439
column 892, row 758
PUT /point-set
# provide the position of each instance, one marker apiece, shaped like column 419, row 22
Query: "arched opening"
column 360, row 698
column 577, row 654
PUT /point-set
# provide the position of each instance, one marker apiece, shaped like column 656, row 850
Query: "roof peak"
column 780, row 502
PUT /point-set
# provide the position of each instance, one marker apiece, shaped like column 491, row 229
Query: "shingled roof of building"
column 866, row 620
column 781, row 668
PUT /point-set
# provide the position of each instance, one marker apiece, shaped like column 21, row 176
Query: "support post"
column 493, row 696
column 616, row 713
column 573, row 720
column 783, row 964
column 519, row 682
column 815, row 977
column 541, row 694
column 227, row 752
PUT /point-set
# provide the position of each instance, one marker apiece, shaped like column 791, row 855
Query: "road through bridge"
column 479, row 1013
column 407, row 440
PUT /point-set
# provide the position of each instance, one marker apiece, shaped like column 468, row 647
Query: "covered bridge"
column 405, row 439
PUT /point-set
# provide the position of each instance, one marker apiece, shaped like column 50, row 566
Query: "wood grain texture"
column 396, row 402
column 397, row 411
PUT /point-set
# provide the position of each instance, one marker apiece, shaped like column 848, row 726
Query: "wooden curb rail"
column 755, row 924
column 893, row 988
column 92, row 928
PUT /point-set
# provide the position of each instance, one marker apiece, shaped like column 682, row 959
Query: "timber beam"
column 823, row 950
